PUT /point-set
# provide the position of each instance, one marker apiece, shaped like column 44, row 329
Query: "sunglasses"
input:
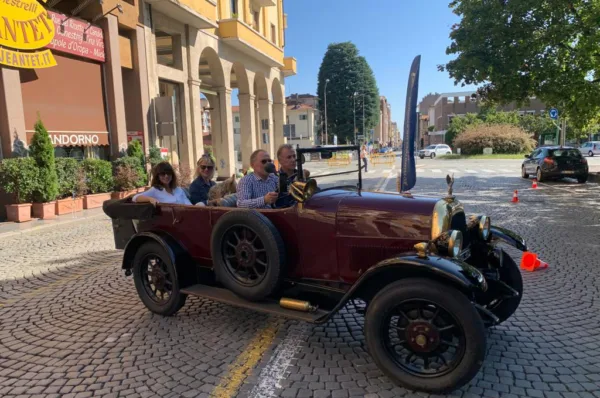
column 207, row 167
column 165, row 173
column 265, row 161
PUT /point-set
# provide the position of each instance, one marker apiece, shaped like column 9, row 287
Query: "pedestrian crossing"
column 508, row 172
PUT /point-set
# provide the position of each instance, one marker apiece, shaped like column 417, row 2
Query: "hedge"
column 133, row 163
column 99, row 175
column 67, row 170
column 19, row 176
column 502, row 138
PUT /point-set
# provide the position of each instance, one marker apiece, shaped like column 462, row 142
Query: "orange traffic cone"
column 515, row 198
column 530, row 262
column 534, row 185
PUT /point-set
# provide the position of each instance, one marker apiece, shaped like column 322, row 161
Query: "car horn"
column 302, row 191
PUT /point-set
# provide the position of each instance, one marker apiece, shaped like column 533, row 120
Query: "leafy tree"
column 347, row 73
column 42, row 151
column 460, row 124
column 518, row 49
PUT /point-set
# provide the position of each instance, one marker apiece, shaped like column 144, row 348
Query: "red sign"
column 136, row 135
column 72, row 41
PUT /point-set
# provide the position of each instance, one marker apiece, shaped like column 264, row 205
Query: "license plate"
column 465, row 254
column 568, row 172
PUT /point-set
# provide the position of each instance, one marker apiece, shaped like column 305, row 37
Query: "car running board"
column 268, row 306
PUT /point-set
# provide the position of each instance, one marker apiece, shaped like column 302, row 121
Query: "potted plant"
column 42, row 152
column 70, row 182
column 19, row 176
column 98, row 174
column 130, row 167
column 125, row 179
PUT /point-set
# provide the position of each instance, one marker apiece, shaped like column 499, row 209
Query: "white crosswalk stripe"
column 488, row 171
column 470, row 171
column 453, row 171
column 436, row 170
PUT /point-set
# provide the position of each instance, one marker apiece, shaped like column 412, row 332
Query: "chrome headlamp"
column 485, row 227
column 455, row 243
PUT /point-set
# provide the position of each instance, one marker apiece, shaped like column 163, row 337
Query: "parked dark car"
column 555, row 162
column 431, row 277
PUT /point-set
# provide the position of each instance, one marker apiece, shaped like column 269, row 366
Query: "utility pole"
column 325, row 90
column 354, row 112
column 363, row 103
column 563, row 134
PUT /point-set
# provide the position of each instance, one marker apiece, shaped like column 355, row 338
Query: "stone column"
column 223, row 143
column 247, row 127
column 114, row 86
column 278, row 122
column 196, row 114
column 12, row 115
column 140, row 66
column 265, row 111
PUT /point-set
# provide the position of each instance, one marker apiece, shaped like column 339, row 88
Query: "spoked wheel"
column 245, row 255
column 156, row 280
column 425, row 336
column 248, row 254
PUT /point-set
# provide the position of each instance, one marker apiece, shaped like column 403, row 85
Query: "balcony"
column 245, row 39
column 265, row 3
column 201, row 14
column 289, row 66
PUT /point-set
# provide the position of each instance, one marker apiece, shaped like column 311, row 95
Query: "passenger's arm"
column 198, row 193
column 244, row 195
column 148, row 196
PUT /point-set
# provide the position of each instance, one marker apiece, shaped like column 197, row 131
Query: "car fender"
column 509, row 237
column 459, row 274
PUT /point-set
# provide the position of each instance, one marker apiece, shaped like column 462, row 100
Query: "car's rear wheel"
column 509, row 274
column 156, row 280
column 425, row 336
column 582, row 179
column 248, row 254
column 539, row 175
column 523, row 172
column 590, row 153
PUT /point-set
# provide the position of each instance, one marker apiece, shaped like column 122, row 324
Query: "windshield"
column 337, row 166
column 430, row 147
column 565, row 153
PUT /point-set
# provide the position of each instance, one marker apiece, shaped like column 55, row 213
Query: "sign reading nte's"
column 25, row 26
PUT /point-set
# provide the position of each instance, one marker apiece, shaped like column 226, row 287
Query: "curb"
column 47, row 224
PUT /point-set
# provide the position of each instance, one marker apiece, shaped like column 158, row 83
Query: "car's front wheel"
column 156, row 280
column 432, row 155
column 422, row 156
column 590, row 153
column 523, row 172
column 425, row 336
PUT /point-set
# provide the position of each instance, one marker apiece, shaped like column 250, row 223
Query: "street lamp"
column 325, row 90
column 354, row 112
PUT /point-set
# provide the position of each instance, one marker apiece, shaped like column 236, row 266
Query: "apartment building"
column 302, row 120
column 383, row 129
column 436, row 111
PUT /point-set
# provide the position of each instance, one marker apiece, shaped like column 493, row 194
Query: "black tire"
column 248, row 240
column 163, row 270
column 539, row 175
column 422, row 156
column 432, row 155
column 582, row 179
column 509, row 274
column 446, row 306
column 591, row 154
column 524, row 173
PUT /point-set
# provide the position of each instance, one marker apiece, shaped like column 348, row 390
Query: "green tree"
column 459, row 124
column 348, row 73
column 42, row 151
column 518, row 49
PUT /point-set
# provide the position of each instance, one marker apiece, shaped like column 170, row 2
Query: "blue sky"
column 389, row 35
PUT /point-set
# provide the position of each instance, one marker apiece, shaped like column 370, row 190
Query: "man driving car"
column 259, row 189
column 287, row 159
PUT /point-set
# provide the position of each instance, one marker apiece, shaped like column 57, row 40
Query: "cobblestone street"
column 73, row 325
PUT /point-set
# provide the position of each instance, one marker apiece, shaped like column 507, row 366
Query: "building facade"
column 302, row 126
column 207, row 49
column 383, row 129
column 436, row 112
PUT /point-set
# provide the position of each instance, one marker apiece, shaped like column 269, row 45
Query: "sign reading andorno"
column 72, row 138
column 25, row 26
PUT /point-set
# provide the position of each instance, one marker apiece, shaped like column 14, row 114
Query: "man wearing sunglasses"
column 259, row 189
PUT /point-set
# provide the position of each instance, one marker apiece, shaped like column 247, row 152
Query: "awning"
column 440, row 132
column 74, row 138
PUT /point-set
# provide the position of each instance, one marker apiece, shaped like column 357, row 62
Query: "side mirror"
column 303, row 159
column 527, row 156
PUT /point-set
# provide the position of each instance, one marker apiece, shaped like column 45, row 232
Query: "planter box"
column 66, row 206
column 19, row 213
column 44, row 211
column 95, row 200
column 122, row 194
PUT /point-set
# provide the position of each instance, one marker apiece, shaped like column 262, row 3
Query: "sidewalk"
column 13, row 228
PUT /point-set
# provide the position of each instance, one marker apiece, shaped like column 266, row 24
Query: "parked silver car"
column 590, row 148
column 432, row 151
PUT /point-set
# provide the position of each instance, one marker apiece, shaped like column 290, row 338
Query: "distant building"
column 436, row 111
column 383, row 129
column 302, row 124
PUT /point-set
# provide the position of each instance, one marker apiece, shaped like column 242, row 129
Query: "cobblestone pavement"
column 72, row 325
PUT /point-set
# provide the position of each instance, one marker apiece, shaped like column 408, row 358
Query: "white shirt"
column 178, row 196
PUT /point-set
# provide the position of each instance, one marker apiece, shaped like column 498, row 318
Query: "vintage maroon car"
column 432, row 278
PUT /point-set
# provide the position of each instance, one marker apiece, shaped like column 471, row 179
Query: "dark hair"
column 160, row 168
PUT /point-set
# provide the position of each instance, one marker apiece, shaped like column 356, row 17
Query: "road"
column 73, row 326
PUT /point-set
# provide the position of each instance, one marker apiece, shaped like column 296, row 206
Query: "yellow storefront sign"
column 25, row 25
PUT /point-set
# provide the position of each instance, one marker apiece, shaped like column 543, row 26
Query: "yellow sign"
column 25, row 25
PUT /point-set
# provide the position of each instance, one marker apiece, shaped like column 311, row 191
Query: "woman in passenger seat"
column 205, row 171
column 164, row 187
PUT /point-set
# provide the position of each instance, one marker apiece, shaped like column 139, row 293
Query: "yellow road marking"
column 243, row 365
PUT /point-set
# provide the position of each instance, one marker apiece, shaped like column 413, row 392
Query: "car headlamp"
column 485, row 226
column 455, row 243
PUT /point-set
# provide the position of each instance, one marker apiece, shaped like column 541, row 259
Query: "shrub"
column 503, row 138
column 98, row 174
column 42, row 152
column 136, row 166
column 209, row 150
column 184, row 175
column 154, row 157
column 19, row 176
column 135, row 150
column 125, row 178
column 67, row 170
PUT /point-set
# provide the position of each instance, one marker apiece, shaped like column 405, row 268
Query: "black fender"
column 466, row 278
column 176, row 251
column 509, row 237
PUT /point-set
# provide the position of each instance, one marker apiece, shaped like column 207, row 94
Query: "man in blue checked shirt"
column 259, row 189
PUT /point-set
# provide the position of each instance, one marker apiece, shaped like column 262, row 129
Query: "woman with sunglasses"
column 205, row 171
column 164, row 187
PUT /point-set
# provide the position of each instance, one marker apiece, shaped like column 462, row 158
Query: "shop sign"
column 164, row 153
column 78, row 38
column 74, row 138
column 24, row 26
column 136, row 135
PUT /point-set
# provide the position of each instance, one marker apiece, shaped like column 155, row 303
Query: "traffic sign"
column 360, row 137
column 554, row 113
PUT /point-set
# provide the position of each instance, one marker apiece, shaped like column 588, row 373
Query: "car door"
column 531, row 163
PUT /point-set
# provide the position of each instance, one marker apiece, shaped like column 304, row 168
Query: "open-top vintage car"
column 431, row 277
